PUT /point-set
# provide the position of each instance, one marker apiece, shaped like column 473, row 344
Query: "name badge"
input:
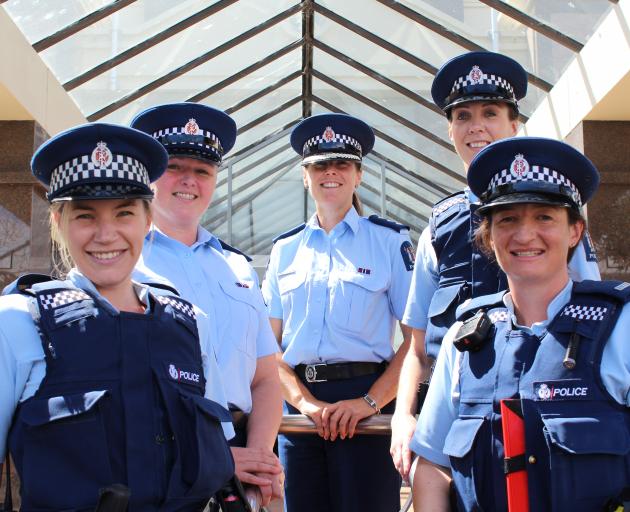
column 570, row 389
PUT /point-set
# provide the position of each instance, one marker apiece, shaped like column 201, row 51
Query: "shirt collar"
column 554, row 307
column 204, row 237
column 472, row 198
column 351, row 219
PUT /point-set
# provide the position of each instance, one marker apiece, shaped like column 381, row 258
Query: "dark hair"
column 512, row 110
column 482, row 233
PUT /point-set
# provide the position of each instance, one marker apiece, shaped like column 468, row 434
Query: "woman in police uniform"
column 334, row 288
column 216, row 277
column 530, row 394
column 479, row 94
column 103, row 380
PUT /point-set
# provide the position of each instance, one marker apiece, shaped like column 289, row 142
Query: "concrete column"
column 607, row 144
column 24, row 235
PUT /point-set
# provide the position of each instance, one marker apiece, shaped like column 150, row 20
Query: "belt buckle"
column 310, row 373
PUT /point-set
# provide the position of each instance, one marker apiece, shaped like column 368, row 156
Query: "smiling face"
column 332, row 182
column 474, row 125
column 183, row 193
column 531, row 243
column 104, row 238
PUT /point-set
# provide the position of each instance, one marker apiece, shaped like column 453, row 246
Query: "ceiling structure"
column 271, row 63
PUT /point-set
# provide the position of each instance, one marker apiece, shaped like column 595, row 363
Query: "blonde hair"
column 59, row 219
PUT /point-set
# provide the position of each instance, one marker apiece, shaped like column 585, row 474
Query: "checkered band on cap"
column 338, row 137
column 62, row 298
column 181, row 130
column 82, row 168
column 177, row 304
column 584, row 312
column 485, row 79
column 535, row 173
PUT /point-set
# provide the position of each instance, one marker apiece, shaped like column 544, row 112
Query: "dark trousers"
column 344, row 475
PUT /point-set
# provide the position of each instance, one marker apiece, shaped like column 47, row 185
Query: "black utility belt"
column 337, row 371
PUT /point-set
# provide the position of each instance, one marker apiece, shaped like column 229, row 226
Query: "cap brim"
column 324, row 157
column 479, row 97
column 526, row 198
column 91, row 193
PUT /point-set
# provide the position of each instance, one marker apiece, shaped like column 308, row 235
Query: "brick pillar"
column 24, row 235
column 607, row 144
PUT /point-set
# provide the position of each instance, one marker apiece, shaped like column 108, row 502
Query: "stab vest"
column 122, row 401
column 464, row 271
column 577, row 436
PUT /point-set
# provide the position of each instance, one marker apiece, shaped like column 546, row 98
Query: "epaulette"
column 618, row 290
column 375, row 219
column 449, row 201
column 471, row 306
column 289, row 233
column 228, row 247
column 162, row 286
column 24, row 282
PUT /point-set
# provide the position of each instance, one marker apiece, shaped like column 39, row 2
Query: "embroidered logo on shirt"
column 179, row 374
column 561, row 390
column 365, row 271
column 408, row 255
column 242, row 285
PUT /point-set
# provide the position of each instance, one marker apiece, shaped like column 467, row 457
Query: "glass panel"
column 177, row 51
column 38, row 19
column 576, row 19
column 276, row 123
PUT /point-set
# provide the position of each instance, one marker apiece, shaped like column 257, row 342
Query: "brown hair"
column 512, row 110
column 59, row 218
column 482, row 233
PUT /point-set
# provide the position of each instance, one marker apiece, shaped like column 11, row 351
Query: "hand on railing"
column 300, row 424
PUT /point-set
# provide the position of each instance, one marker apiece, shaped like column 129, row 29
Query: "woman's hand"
column 403, row 427
column 340, row 419
column 314, row 410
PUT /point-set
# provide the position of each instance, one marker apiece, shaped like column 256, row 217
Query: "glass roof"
column 270, row 63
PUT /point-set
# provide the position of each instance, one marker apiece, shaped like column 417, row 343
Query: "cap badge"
column 191, row 128
column 475, row 75
column 102, row 156
column 329, row 134
column 519, row 167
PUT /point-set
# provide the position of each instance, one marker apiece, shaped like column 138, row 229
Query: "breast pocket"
column 357, row 299
column 291, row 286
column 242, row 327
column 588, row 459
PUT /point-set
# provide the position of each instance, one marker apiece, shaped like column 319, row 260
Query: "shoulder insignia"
column 228, row 247
column 24, row 282
column 469, row 307
column 408, row 255
column 289, row 233
column 589, row 247
column 162, row 286
column 62, row 298
column 375, row 219
column 176, row 303
column 617, row 290
column 448, row 202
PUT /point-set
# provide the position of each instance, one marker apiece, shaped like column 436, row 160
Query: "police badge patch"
column 408, row 255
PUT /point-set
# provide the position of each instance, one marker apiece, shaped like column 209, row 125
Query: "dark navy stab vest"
column 122, row 402
column 464, row 271
column 577, row 436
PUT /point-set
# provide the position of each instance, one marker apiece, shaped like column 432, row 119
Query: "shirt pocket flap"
column 605, row 434
column 210, row 408
column 442, row 299
column 290, row 280
column 461, row 436
column 239, row 292
column 370, row 282
column 40, row 411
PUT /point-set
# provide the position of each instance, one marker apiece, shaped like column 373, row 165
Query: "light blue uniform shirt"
column 223, row 282
column 338, row 294
column 442, row 404
column 426, row 277
column 23, row 365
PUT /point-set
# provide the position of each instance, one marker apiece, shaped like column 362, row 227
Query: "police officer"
column 334, row 288
column 479, row 94
column 104, row 380
column 556, row 347
column 217, row 277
